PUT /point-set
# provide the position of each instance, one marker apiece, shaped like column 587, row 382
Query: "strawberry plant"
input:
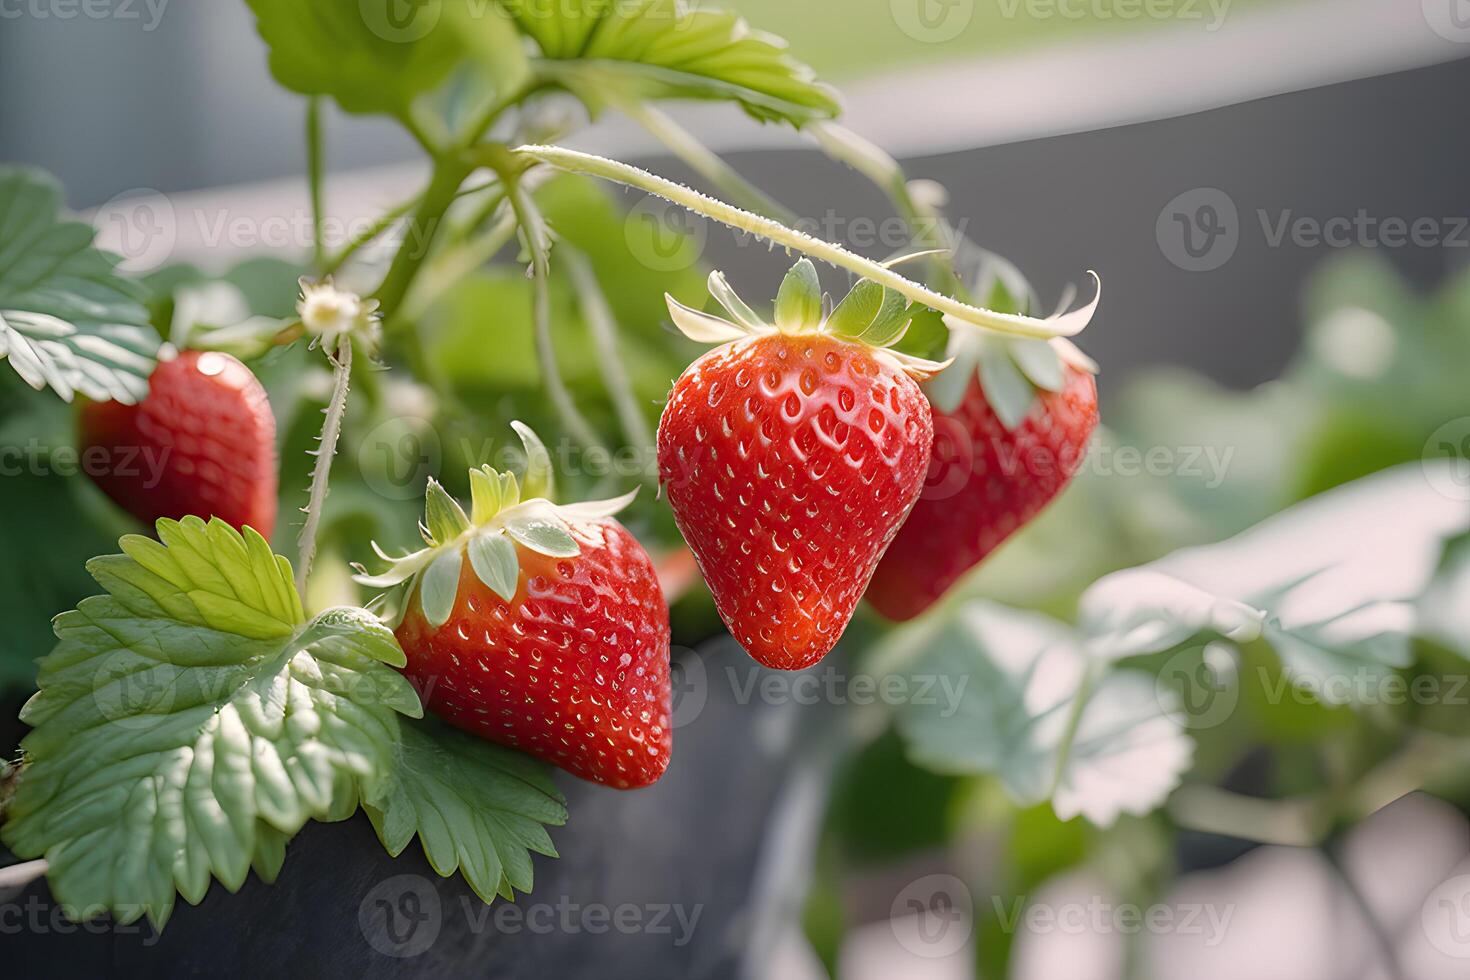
column 460, row 619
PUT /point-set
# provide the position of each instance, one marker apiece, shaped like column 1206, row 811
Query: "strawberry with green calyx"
column 791, row 455
column 1012, row 422
column 538, row 626
column 202, row 443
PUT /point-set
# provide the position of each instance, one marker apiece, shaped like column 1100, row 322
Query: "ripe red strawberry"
column 986, row 481
column 540, row 627
column 791, row 456
column 203, row 442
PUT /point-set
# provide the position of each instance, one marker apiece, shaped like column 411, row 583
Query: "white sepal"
column 593, row 510
column 703, row 327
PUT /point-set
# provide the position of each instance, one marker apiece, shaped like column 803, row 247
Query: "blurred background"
column 1274, row 194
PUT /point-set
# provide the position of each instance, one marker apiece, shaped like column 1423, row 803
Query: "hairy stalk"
column 419, row 236
column 604, row 329
column 705, row 162
column 326, row 450
column 315, row 166
column 590, row 165
column 538, row 243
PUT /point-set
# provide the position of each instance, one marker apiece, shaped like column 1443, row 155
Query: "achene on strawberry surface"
column 999, row 458
column 540, row 627
column 791, row 455
column 202, row 443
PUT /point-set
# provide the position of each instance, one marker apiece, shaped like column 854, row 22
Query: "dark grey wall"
column 175, row 102
column 1392, row 146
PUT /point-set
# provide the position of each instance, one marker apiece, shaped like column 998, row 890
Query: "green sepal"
column 484, row 495
column 872, row 315
column 493, row 557
column 799, row 301
column 541, row 530
column 857, row 311
column 1040, row 362
column 443, row 515
column 539, row 481
column 1007, row 390
column 439, row 587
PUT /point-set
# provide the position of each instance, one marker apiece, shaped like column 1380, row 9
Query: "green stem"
column 321, row 472
column 604, row 329
column 538, row 243
column 314, row 169
column 705, row 162
column 419, row 236
column 590, row 165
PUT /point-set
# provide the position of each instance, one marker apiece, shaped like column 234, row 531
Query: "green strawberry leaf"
column 380, row 56
column 1037, row 712
column 67, row 319
column 1444, row 610
column 1330, row 584
column 667, row 49
column 440, row 586
column 476, row 807
column 192, row 719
